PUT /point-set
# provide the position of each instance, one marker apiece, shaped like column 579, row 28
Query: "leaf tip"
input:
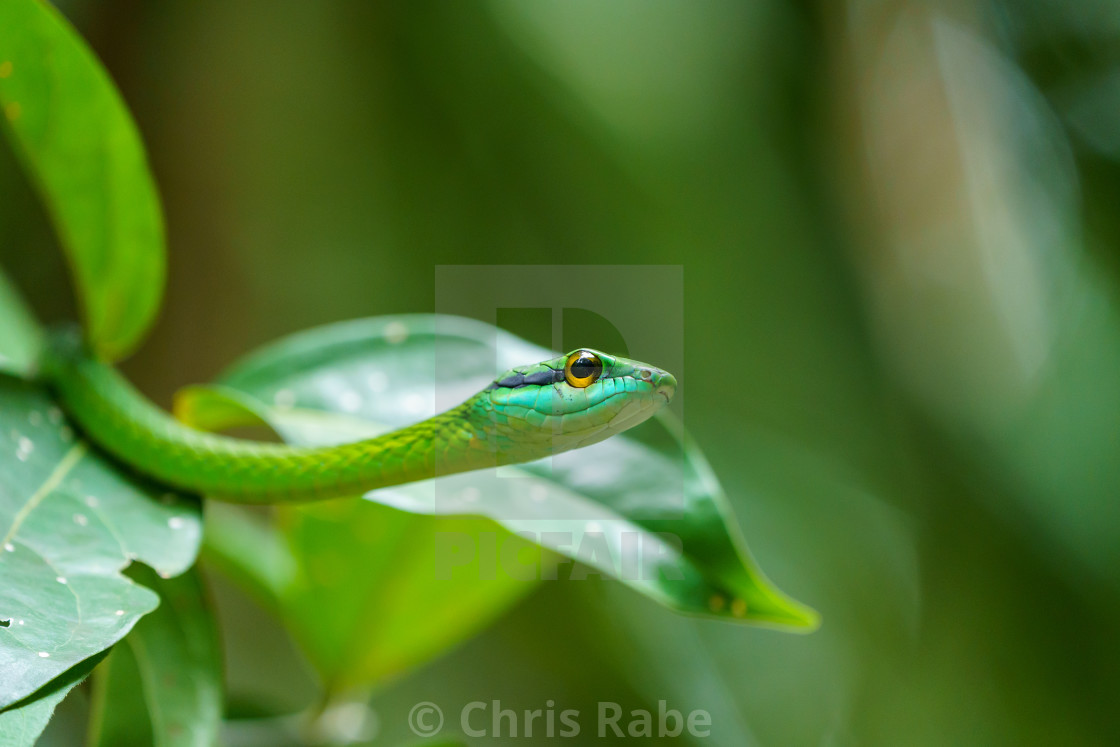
column 759, row 602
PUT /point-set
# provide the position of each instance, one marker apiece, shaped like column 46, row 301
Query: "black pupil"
column 585, row 367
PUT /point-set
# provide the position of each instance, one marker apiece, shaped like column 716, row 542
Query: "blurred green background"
column 898, row 228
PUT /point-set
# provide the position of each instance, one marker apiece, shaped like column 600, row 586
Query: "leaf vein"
column 53, row 479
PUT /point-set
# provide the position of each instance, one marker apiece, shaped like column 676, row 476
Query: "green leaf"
column 356, row 582
column 70, row 521
column 118, row 713
column 69, row 126
column 248, row 551
column 175, row 653
column 22, row 723
column 650, row 489
column 20, row 334
column 369, row 604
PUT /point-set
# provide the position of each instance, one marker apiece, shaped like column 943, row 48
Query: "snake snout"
column 664, row 383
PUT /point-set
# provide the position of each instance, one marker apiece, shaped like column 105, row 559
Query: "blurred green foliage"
column 80, row 147
column 898, row 232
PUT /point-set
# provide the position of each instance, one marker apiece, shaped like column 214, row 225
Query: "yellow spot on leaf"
column 12, row 111
column 5, row 68
column 739, row 608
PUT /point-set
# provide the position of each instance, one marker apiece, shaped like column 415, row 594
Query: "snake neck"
column 120, row 420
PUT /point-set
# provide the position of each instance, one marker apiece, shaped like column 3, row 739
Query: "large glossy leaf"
column 175, row 666
column 70, row 128
column 69, row 522
column 644, row 508
column 23, row 722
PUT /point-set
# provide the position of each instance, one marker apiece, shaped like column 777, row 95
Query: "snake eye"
column 582, row 369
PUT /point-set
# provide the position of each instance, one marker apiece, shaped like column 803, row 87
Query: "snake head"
column 571, row 401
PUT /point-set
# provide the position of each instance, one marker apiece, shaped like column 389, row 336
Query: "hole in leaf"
column 5, row 623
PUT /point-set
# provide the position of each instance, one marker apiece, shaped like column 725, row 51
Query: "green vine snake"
column 527, row 413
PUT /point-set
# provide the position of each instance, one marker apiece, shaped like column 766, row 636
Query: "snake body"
column 527, row 413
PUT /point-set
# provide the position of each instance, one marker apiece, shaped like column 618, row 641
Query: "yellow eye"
column 582, row 369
